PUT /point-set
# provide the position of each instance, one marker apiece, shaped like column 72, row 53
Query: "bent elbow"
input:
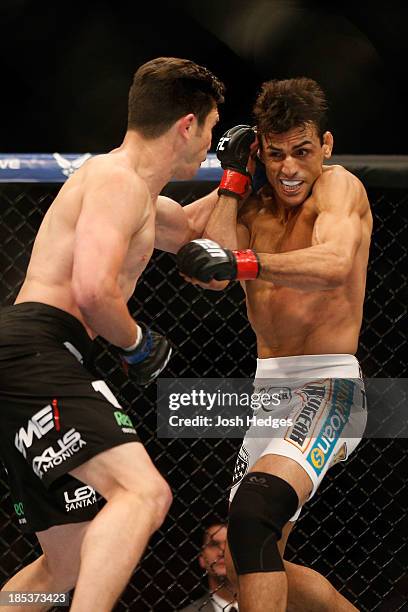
column 87, row 296
column 339, row 273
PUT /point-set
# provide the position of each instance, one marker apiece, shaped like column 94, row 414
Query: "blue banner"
column 57, row 167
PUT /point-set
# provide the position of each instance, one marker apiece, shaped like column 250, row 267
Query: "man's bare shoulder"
column 336, row 176
column 110, row 171
column 336, row 184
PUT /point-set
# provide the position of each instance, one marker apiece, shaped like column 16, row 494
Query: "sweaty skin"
column 294, row 321
column 99, row 233
column 312, row 238
column 78, row 230
column 313, row 243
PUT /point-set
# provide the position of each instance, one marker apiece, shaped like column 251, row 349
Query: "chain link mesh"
column 354, row 531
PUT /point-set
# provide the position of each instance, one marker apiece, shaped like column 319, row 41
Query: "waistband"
column 42, row 324
column 309, row 366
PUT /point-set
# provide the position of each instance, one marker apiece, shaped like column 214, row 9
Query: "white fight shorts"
column 323, row 397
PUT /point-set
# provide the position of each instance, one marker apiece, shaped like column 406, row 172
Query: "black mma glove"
column 233, row 152
column 206, row 260
column 144, row 363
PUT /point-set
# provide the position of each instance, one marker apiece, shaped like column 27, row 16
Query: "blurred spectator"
column 220, row 596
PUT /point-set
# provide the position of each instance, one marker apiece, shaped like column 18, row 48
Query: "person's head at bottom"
column 212, row 560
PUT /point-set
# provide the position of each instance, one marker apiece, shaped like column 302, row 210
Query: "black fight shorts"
column 54, row 415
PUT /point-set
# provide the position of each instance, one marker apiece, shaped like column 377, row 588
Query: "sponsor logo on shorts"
column 341, row 454
column 241, row 466
column 74, row 351
column 333, row 426
column 124, row 422
column 313, row 396
column 19, row 510
column 80, row 498
column 68, row 445
column 37, row 426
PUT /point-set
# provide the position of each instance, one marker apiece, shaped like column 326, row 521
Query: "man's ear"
column 260, row 153
column 201, row 562
column 327, row 144
column 184, row 125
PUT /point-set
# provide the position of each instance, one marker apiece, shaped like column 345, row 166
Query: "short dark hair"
column 168, row 88
column 286, row 104
column 209, row 527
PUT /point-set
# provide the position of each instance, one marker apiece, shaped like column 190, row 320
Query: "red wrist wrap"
column 234, row 182
column 247, row 264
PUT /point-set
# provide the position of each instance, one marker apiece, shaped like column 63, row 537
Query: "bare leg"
column 33, row 577
column 55, row 571
column 137, row 502
column 258, row 591
column 308, row 591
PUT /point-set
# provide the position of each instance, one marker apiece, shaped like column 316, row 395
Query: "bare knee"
column 153, row 498
column 160, row 498
column 127, row 470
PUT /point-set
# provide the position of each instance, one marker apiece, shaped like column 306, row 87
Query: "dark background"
column 66, row 66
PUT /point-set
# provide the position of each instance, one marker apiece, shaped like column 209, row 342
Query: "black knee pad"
column 260, row 509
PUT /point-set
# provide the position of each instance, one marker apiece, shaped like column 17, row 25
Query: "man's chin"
column 294, row 199
column 186, row 173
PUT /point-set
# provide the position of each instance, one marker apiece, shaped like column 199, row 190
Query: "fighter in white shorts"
column 323, row 396
column 299, row 246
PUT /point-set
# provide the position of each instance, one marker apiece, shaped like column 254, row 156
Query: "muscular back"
column 290, row 321
column 81, row 230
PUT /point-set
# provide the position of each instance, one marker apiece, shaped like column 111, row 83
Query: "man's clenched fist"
column 233, row 151
column 206, row 260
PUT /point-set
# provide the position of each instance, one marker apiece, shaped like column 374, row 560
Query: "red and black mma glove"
column 233, row 152
column 144, row 363
column 206, row 260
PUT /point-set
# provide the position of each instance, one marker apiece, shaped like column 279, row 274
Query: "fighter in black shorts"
column 64, row 436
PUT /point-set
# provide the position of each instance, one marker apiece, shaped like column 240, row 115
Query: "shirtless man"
column 64, row 435
column 300, row 248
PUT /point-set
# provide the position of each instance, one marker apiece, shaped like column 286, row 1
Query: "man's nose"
column 289, row 167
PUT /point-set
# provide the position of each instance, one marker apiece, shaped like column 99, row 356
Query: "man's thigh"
column 127, row 467
column 287, row 469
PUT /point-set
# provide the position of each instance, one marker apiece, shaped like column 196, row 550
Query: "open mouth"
column 290, row 187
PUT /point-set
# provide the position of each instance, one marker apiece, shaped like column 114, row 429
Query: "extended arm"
column 176, row 225
column 324, row 265
column 336, row 237
column 233, row 151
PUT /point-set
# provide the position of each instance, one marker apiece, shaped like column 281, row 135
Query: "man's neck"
column 152, row 160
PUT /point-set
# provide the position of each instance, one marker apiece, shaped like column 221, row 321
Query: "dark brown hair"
column 283, row 105
column 168, row 88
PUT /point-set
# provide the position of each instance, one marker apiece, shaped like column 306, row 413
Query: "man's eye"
column 302, row 152
column 275, row 155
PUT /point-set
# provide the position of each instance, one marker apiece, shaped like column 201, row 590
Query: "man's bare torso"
column 289, row 321
column 49, row 274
